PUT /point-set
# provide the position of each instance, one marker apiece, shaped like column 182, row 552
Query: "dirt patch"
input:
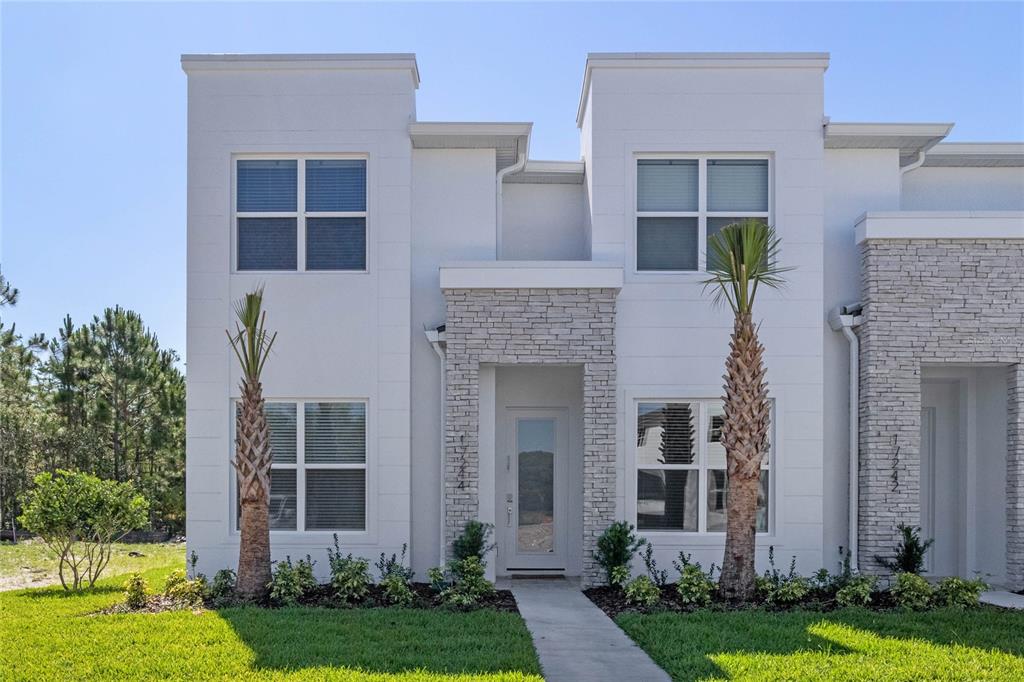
column 27, row 577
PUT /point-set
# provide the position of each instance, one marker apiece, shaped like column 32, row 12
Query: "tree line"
column 101, row 398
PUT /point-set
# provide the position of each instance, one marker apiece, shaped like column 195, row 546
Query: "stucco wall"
column 341, row 335
column 671, row 341
column 933, row 301
column 543, row 222
column 963, row 189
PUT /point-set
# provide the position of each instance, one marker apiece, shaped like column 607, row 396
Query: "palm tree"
column 742, row 257
column 252, row 343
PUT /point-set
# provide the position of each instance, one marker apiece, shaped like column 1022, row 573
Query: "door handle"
column 508, row 520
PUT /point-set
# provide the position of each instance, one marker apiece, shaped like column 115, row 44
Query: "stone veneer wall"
column 531, row 326
column 933, row 301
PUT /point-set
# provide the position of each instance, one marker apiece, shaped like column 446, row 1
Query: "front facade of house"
column 468, row 333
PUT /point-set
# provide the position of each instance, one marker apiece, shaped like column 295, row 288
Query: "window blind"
column 282, row 499
column 737, row 185
column 667, row 499
column 335, row 433
column 666, row 433
column 267, row 185
column 666, row 243
column 336, row 185
column 336, row 243
column 666, row 185
column 267, row 244
column 335, row 499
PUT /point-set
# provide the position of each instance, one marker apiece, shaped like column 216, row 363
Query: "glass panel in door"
column 535, row 448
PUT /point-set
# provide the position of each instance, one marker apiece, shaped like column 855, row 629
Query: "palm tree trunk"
column 252, row 464
column 745, row 437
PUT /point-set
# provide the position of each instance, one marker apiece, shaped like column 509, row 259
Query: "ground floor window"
column 318, row 475
column 681, row 473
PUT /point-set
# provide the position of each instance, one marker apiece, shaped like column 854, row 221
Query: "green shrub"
column 395, row 564
column 350, row 576
column 287, row 582
column 437, row 578
column 694, row 587
column 782, row 589
column 79, row 517
column 658, row 576
column 617, row 546
column 396, row 589
column 620, row 576
column 911, row 591
column 473, row 541
column 221, row 592
column 856, row 591
column 136, row 591
column 183, row 592
column 909, row 552
column 641, row 591
column 467, row 585
column 959, row 593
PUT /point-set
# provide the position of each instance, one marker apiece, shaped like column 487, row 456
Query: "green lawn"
column 48, row 634
column 851, row 644
column 30, row 564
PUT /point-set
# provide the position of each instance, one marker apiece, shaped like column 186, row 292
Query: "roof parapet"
column 273, row 62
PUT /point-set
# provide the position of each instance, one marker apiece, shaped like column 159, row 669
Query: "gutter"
column 916, row 164
column 517, row 167
column 846, row 318
column 436, row 338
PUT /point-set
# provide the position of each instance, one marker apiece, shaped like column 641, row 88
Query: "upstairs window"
column 300, row 214
column 680, row 202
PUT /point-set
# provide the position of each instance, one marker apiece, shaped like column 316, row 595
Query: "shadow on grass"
column 807, row 644
column 58, row 592
column 384, row 640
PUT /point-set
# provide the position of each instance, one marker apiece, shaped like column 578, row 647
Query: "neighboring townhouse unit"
column 468, row 333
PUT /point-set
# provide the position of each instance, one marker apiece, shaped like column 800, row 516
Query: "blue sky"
column 93, row 104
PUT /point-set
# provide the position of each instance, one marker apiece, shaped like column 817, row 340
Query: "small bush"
column 694, row 586
column 959, row 593
column 911, row 591
column 782, row 589
column 350, row 576
column 617, row 546
column 659, row 577
column 467, row 585
column 909, row 552
column 221, row 592
column 136, row 591
column 437, row 579
column 395, row 564
column 304, row 574
column 183, row 592
column 396, row 590
column 641, row 591
column 473, row 541
column 620, row 576
column 856, row 591
column 285, row 585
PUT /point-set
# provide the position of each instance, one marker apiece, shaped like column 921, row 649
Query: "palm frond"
column 251, row 341
column 742, row 257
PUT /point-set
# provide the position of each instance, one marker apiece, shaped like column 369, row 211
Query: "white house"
column 466, row 332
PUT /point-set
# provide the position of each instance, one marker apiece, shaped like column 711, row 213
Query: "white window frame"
column 702, row 213
column 300, row 214
column 300, row 468
column 701, row 465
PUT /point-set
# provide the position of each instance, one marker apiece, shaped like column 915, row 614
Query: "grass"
column 30, row 564
column 850, row 644
column 49, row 634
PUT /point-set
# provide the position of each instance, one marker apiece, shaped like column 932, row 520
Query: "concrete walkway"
column 1008, row 600
column 575, row 640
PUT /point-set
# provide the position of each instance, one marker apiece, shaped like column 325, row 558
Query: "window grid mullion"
column 300, row 465
column 300, row 197
column 702, row 219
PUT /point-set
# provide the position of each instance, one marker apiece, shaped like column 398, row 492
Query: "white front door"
column 531, row 490
column 941, row 479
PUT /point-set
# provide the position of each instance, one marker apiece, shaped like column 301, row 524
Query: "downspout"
column 915, row 165
column 434, row 337
column 845, row 319
column 519, row 165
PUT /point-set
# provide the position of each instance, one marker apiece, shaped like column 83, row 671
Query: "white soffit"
column 529, row 274
column 940, row 225
column 909, row 138
column 977, row 154
column 696, row 60
column 508, row 140
column 549, row 173
column 280, row 62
